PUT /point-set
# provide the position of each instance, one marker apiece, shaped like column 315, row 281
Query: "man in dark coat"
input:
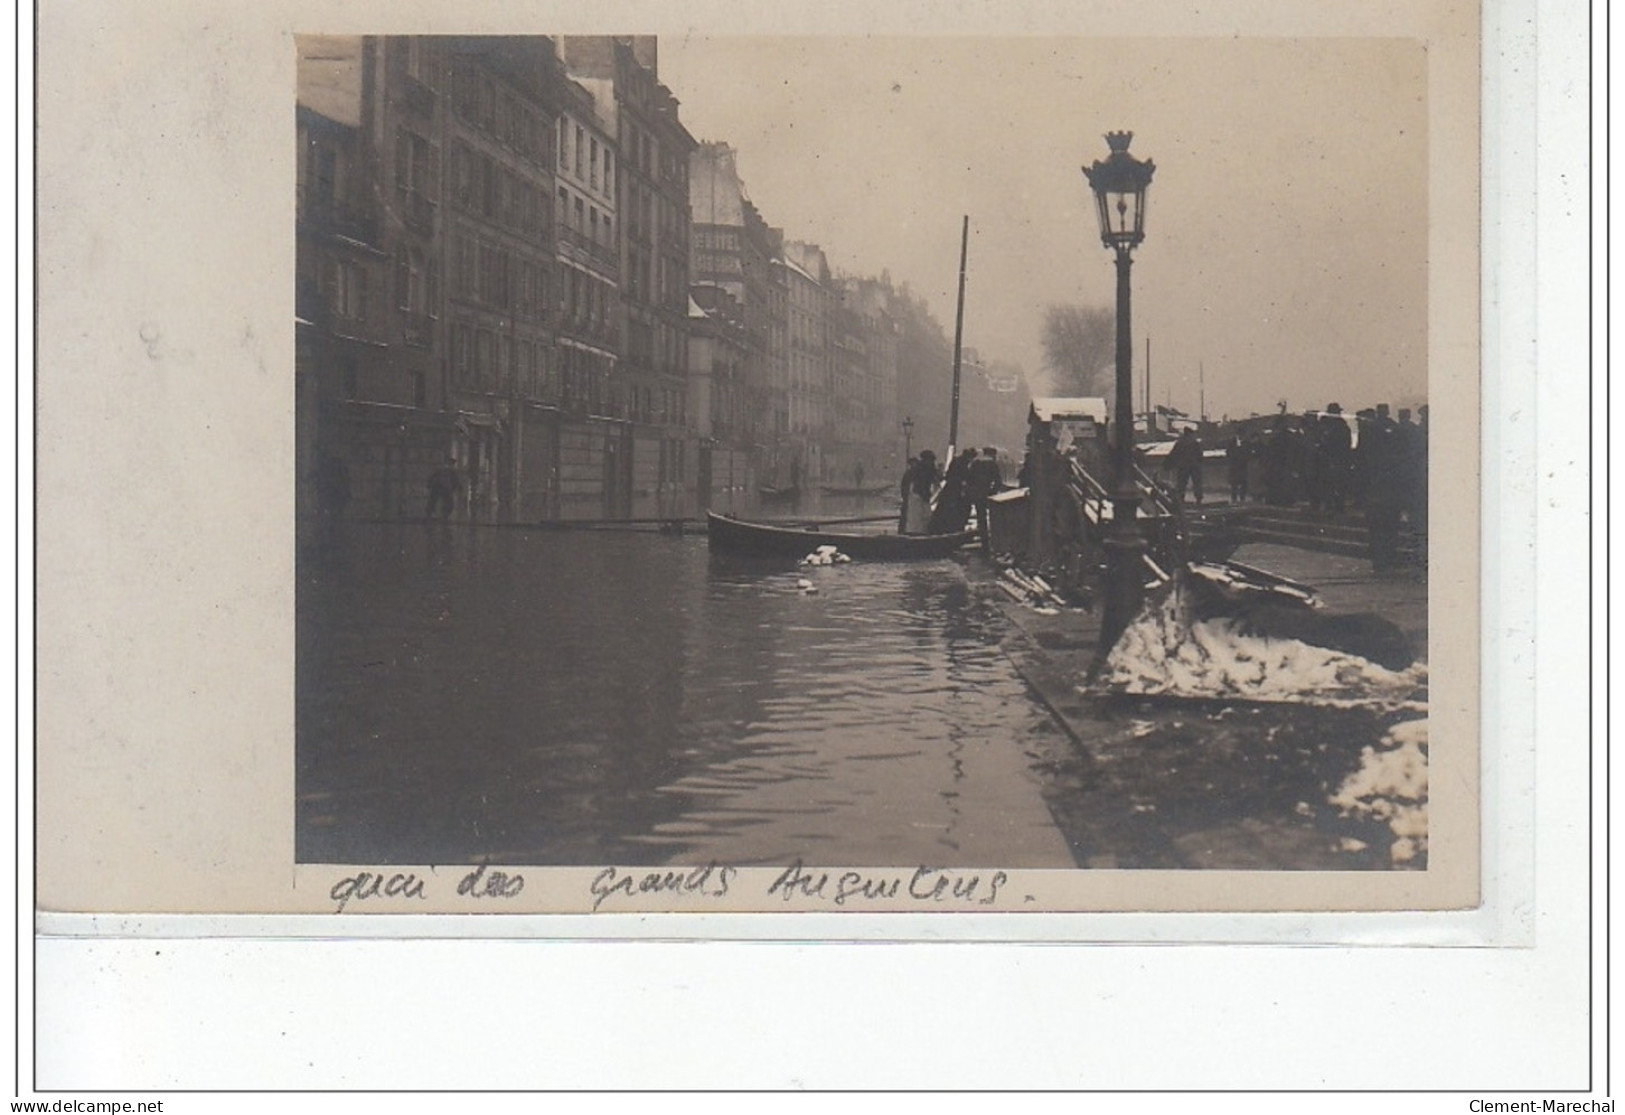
column 1280, row 454
column 986, row 480
column 1185, row 459
column 1235, row 456
column 917, row 489
column 954, row 501
column 1336, row 448
column 1385, row 491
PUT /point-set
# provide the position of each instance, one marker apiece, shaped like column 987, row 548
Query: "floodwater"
column 591, row 696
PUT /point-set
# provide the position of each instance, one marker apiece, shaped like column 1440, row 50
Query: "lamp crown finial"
column 1119, row 141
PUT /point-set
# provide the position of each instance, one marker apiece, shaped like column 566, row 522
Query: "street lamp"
column 1119, row 184
column 908, row 437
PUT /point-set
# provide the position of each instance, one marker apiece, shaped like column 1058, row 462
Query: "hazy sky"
column 1286, row 227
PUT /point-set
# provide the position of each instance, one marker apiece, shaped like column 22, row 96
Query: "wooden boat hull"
column 736, row 536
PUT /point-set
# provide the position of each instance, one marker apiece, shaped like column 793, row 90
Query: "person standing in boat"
column 904, row 485
column 921, row 483
column 954, row 503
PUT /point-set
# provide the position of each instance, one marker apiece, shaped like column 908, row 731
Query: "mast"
column 1201, row 387
column 959, row 336
column 1149, row 424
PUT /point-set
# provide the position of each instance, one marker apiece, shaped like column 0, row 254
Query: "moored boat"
column 739, row 536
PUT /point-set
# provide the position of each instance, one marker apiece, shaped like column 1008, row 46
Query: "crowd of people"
column 960, row 492
column 1376, row 463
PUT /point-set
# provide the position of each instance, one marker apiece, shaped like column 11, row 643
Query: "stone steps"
column 1290, row 526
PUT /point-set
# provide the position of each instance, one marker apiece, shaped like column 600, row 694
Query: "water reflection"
column 581, row 697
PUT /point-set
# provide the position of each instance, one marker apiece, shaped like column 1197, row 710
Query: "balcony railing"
column 601, row 254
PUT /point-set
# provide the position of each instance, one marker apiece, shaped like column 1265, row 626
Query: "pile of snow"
column 1392, row 785
column 1166, row 651
column 825, row 555
column 805, row 585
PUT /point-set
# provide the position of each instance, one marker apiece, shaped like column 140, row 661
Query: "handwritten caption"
column 477, row 884
column 612, row 886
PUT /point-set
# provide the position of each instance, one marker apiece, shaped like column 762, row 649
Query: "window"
column 463, row 268
column 592, row 163
column 580, row 150
column 491, row 180
column 494, row 276
column 522, row 301
column 462, row 357
column 413, row 162
column 410, row 293
column 462, row 174
column 485, row 359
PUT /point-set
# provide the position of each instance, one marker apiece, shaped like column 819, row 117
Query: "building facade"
column 596, row 435
column 811, row 359
column 501, row 106
column 735, row 251
column 725, row 469
column 650, row 462
column 513, row 257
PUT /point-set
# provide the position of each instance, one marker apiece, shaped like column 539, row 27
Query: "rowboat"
column 729, row 535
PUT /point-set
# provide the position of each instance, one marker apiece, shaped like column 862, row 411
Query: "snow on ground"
column 1167, row 652
column 1392, row 785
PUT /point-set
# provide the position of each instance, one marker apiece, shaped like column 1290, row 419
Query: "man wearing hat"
column 917, row 503
column 1336, row 448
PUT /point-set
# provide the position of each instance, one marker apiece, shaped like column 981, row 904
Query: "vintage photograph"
column 937, row 453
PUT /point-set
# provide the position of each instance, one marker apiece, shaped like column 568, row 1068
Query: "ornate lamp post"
column 908, row 437
column 1119, row 183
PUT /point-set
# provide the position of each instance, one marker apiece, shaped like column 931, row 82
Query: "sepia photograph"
column 853, row 470
column 883, row 546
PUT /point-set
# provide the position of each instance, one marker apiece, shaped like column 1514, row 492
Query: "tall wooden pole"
column 1148, row 422
column 959, row 337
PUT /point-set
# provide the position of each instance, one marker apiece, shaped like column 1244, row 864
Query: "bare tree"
column 1080, row 344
